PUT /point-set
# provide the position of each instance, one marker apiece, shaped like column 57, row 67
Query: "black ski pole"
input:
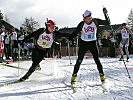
column 68, row 45
column 126, row 69
column 18, row 57
column 77, row 46
column 107, row 17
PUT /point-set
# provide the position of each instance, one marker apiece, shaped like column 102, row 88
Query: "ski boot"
column 21, row 80
column 73, row 83
column 102, row 78
column 121, row 59
column 25, row 77
column 127, row 59
column 73, row 79
column 38, row 67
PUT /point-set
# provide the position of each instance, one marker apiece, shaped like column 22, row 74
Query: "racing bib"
column 89, row 32
column 45, row 40
column 14, row 36
column 124, row 34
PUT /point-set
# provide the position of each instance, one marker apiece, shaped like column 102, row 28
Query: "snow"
column 53, row 81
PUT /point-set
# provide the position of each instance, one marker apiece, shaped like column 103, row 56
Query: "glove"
column 105, row 10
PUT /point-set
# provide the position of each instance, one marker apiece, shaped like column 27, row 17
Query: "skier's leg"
column 37, row 56
column 81, row 53
column 1, row 56
column 8, row 51
column 127, row 52
column 5, row 51
column 59, row 50
column 94, row 50
column 1, row 51
column 31, row 70
column 121, row 51
column 82, row 50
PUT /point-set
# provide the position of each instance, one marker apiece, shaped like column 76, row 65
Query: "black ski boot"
column 121, row 59
column 38, row 67
column 127, row 59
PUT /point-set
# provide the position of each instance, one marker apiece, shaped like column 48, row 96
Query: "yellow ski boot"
column 73, row 79
column 102, row 77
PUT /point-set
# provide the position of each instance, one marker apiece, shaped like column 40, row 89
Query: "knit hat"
column 87, row 13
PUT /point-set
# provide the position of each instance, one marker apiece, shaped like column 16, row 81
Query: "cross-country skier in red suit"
column 44, row 41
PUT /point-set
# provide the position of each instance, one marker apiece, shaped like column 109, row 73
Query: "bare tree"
column 30, row 25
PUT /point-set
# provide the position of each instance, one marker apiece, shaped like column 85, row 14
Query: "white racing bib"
column 89, row 32
column 45, row 40
column 124, row 34
column 7, row 40
column 2, row 36
column 14, row 36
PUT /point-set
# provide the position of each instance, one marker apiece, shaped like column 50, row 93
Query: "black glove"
column 105, row 10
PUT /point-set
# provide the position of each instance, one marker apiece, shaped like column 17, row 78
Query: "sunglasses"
column 87, row 17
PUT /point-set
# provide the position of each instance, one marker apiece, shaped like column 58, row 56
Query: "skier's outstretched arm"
column 60, row 34
column 78, row 29
column 102, row 22
column 34, row 34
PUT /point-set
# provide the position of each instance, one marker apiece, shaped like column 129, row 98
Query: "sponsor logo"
column 89, row 28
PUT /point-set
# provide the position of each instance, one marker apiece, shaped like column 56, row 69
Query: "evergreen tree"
column 6, row 19
column 130, row 20
column 1, row 15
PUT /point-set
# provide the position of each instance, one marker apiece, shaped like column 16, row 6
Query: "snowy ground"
column 53, row 81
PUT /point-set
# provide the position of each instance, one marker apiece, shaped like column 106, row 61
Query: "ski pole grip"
column 105, row 10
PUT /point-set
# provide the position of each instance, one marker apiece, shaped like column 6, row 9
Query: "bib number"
column 89, row 36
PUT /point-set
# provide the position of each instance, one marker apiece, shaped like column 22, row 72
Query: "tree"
column 130, row 20
column 30, row 25
column 6, row 19
column 1, row 15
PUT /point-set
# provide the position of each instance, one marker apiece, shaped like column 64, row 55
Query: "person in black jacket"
column 88, row 28
column 44, row 41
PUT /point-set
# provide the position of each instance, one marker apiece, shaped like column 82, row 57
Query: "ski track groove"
column 109, row 90
column 61, row 92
